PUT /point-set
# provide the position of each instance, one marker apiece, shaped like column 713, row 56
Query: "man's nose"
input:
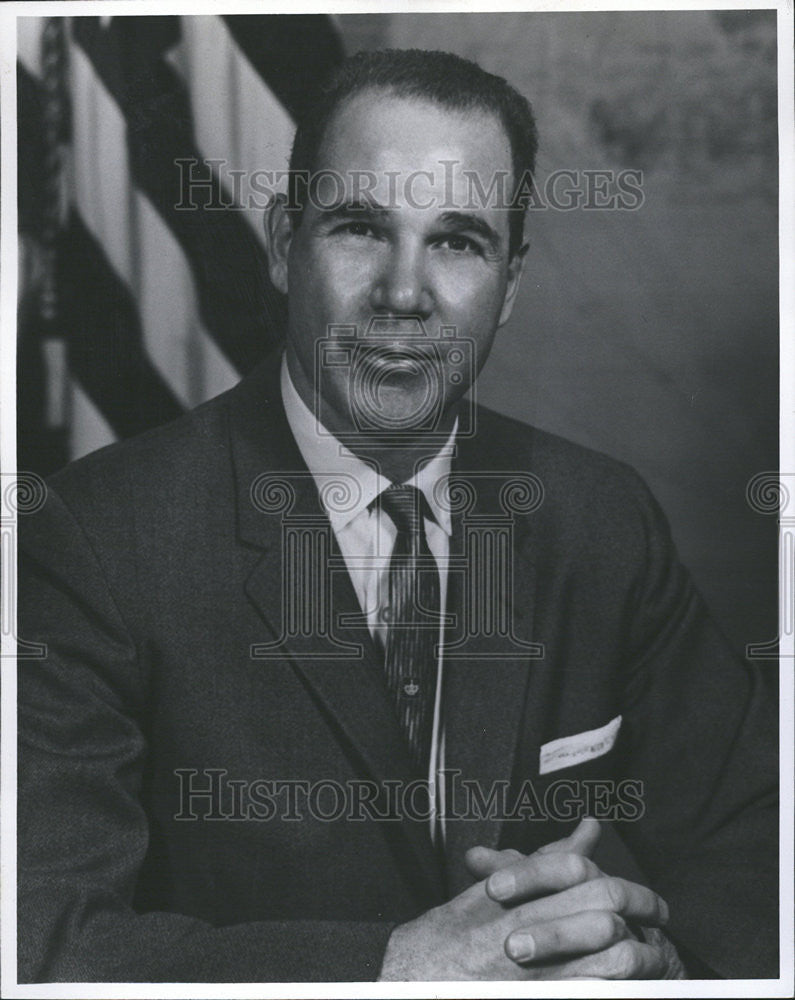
column 401, row 286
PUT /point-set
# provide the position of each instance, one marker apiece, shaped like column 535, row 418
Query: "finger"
column 582, row 841
column 578, row 934
column 538, row 875
column 627, row 959
column 482, row 861
column 633, row 902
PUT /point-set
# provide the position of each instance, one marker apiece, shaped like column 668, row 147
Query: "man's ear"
column 515, row 271
column 278, row 236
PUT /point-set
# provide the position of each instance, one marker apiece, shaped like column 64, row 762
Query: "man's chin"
column 400, row 404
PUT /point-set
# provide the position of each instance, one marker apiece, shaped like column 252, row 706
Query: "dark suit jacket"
column 150, row 574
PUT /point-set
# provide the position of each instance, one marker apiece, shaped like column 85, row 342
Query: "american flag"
column 134, row 308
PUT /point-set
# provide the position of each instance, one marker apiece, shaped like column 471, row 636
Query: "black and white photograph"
column 398, row 550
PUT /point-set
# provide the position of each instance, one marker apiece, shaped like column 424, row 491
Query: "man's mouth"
column 397, row 362
column 395, row 328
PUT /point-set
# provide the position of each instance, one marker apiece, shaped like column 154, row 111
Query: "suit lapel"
column 279, row 512
column 486, row 677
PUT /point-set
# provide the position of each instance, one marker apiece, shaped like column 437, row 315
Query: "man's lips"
column 399, row 357
column 395, row 328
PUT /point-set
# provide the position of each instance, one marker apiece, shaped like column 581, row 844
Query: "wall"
column 651, row 334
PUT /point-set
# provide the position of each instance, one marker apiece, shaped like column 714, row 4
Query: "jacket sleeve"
column 82, row 829
column 700, row 732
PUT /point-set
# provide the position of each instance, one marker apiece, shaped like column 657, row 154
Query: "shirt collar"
column 329, row 461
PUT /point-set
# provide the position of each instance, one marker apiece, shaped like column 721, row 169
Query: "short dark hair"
column 441, row 77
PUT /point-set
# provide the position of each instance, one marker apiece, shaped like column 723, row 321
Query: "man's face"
column 388, row 248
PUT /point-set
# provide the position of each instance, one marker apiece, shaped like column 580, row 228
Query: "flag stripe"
column 228, row 264
column 290, row 52
column 101, row 324
column 174, row 334
column 138, row 245
column 89, row 429
column 29, row 43
column 236, row 116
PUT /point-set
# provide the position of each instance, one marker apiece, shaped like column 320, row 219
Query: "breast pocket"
column 570, row 750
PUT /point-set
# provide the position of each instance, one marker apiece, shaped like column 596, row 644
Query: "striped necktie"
column 412, row 619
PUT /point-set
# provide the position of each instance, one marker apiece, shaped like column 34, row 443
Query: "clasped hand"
column 549, row 915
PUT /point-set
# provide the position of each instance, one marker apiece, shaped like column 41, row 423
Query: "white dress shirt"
column 366, row 537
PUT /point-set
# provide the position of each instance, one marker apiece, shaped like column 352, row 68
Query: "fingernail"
column 665, row 913
column 521, row 946
column 501, row 885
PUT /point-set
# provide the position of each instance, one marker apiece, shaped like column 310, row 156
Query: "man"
column 305, row 643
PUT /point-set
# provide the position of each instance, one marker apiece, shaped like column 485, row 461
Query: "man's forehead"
column 405, row 151
column 377, row 126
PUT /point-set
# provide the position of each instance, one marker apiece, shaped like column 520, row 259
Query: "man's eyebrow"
column 356, row 209
column 474, row 223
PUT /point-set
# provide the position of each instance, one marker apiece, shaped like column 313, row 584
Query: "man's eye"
column 357, row 229
column 460, row 244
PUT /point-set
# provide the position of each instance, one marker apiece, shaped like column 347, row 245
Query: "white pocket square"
column 570, row 750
